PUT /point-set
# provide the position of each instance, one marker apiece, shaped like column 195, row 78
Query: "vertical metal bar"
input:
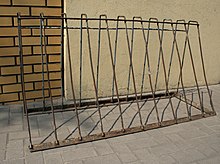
column 164, row 67
column 149, row 68
column 203, row 67
column 202, row 99
column 180, row 65
column 159, row 55
column 93, row 75
column 98, row 55
column 42, row 60
column 193, row 67
column 61, row 62
column 180, row 79
column 22, row 79
column 81, row 60
column 113, row 70
column 145, row 57
column 172, row 51
column 190, row 108
column 48, row 76
column 130, row 50
column 71, row 78
column 184, row 52
column 115, row 57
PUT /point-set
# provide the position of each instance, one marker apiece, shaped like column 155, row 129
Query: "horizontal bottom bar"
column 107, row 101
column 115, row 133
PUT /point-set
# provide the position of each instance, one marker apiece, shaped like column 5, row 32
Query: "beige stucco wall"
column 206, row 12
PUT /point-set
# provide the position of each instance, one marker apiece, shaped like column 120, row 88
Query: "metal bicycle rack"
column 142, row 104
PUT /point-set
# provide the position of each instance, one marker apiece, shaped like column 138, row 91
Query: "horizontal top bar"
column 135, row 19
column 93, row 28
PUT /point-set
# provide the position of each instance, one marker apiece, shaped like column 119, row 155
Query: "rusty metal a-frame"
column 117, row 114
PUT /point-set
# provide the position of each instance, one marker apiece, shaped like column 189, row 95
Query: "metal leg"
column 130, row 48
column 193, row 67
column 180, row 65
column 146, row 39
column 62, row 63
column 48, row 78
column 115, row 58
column 93, row 75
column 164, row 67
column 22, row 80
column 81, row 61
column 203, row 67
column 114, row 75
column 71, row 79
column 42, row 60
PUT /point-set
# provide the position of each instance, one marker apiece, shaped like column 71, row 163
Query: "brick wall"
column 10, row 88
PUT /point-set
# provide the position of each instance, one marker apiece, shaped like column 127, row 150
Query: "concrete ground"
column 195, row 142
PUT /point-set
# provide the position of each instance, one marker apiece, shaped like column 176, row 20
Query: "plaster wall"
column 206, row 12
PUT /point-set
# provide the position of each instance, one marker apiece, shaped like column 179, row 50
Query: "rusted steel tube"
column 48, row 79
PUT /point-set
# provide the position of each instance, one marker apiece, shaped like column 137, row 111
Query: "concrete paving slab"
column 188, row 156
column 106, row 159
column 163, row 149
column 102, row 147
column 3, row 140
column 54, row 158
column 195, row 142
column 13, row 153
column 34, row 158
column 14, row 161
column 2, row 154
column 165, row 159
column 80, row 153
column 212, row 160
